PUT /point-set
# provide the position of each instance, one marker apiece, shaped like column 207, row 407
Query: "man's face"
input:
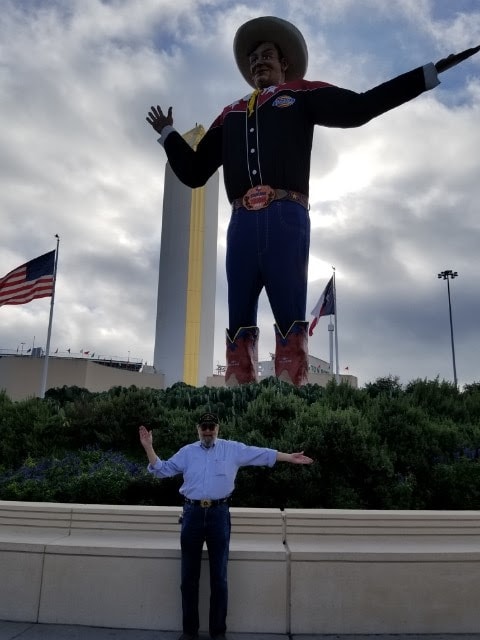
column 207, row 434
column 266, row 67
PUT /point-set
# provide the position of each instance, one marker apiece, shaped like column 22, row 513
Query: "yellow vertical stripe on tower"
column 194, row 287
column 191, row 351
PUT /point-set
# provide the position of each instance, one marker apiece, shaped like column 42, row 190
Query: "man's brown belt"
column 261, row 196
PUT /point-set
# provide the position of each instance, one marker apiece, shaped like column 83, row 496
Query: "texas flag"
column 325, row 305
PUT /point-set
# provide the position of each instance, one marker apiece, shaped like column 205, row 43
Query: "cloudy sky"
column 392, row 203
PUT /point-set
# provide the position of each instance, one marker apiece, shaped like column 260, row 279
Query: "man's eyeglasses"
column 205, row 427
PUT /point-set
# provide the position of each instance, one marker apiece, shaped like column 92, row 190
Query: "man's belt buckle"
column 205, row 503
column 258, row 197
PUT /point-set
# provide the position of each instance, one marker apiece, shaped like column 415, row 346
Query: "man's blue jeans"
column 210, row 525
column 268, row 248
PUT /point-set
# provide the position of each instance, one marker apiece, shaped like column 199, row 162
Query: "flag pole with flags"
column 29, row 281
column 337, row 371
column 49, row 332
column 327, row 305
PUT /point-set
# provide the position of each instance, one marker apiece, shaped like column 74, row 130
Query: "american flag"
column 31, row 280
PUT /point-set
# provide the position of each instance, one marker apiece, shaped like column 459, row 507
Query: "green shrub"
column 381, row 447
column 91, row 476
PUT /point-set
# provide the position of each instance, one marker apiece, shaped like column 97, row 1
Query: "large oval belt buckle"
column 205, row 503
column 258, row 197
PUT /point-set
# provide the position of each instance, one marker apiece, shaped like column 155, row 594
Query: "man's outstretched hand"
column 299, row 458
column 158, row 119
column 455, row 58
column 146, row 437
column 293, row 458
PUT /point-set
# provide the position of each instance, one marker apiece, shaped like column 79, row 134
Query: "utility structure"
column 184, row 335
column 450, row 275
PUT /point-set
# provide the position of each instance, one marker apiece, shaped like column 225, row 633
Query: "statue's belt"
column 262, row 195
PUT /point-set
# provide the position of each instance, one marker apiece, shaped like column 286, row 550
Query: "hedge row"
column 381, row 447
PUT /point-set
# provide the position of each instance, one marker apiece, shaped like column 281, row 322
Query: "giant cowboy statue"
column 264, row 143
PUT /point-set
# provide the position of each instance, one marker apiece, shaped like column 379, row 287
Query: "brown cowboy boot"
column 291, row 354
column 242, row 357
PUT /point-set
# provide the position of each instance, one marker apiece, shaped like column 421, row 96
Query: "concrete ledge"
column 383, row 572
column 258, row 572
column 25, row 531
column 113, row 567
column 297, row 571
column 117, row 566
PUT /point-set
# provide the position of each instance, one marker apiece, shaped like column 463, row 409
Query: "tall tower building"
column 184, row 336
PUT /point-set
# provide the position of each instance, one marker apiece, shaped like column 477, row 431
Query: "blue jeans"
column 210, row 525
column 268, row 248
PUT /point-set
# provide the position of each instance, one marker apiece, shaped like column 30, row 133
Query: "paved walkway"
column 29, row 631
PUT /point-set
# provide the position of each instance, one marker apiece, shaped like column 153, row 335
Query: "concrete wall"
column 383, row 572
column 296, row 571
column 322, row 379
column 21, row 376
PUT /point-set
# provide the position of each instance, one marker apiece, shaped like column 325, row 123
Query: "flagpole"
column 331, row 329
column 337, row 372
column 49, row 332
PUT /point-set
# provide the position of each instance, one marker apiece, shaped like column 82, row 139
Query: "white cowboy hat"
column 271, row 29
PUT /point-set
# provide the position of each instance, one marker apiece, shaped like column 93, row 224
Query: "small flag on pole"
column 325, row 305
column 31, row 280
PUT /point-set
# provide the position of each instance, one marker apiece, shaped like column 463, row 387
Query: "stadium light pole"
column 450, row 275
